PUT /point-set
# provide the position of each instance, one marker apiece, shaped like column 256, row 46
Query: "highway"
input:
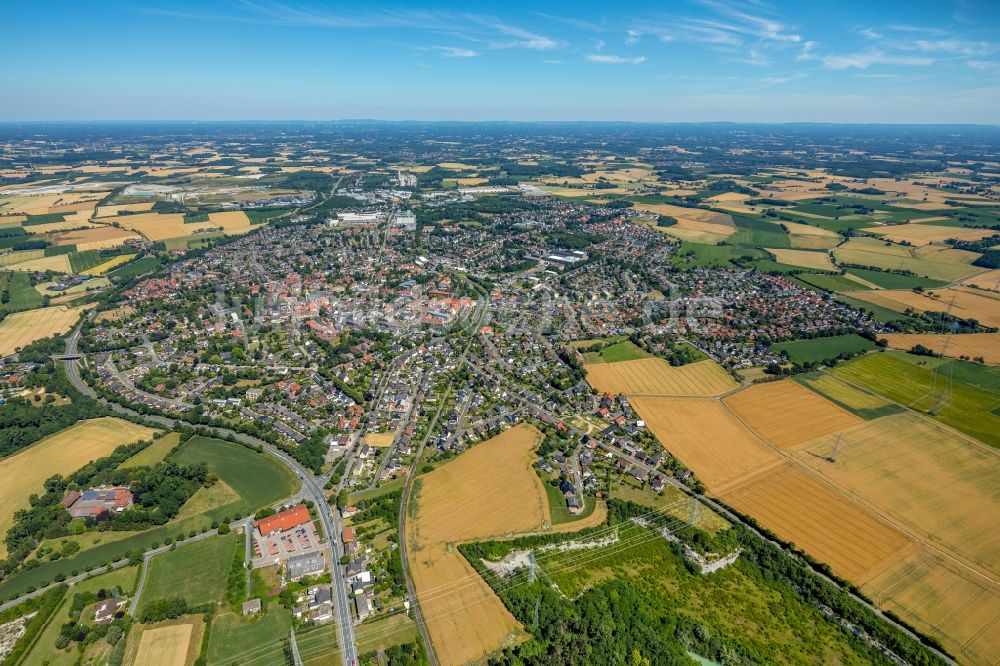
column 311, row 484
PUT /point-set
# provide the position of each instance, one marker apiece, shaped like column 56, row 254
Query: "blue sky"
column 695, row 60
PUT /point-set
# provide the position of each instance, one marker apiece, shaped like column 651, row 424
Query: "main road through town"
column 311, row 485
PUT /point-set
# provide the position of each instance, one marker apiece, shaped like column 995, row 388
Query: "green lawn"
column 558, row 512
column 623, row 351
column 258, row 638
column 155, row 452
column 259, row 478
column 196, row 572
column 963, row 395
column 705, row 256
column 821, row 349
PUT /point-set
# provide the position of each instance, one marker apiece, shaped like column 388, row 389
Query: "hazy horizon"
column 692, row 61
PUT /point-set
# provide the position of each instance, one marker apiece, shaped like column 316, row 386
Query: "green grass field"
column 197, row 572
column 758, row 233
column 619, row 351
column 44, row 651
column 135, row 268
column 963, row 395
column 835, row 283
column 20, row 294
column 81, row 262
column 318, row 646
column 879, row 312
column 257, row 477
column 821, row 349
column 705, row 256
column 155, row 452
column 558, row 512
column 894, row 280
column 233, row 634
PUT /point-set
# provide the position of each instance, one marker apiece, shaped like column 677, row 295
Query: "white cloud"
column 632, row 36
column 456, row 52
column 865, row 59
column 605, row 59
column 984, row 65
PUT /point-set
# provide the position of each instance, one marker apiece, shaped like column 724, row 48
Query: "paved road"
column 134, row 604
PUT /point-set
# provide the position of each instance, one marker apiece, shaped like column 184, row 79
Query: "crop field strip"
column 22, row 328
column 855, row 540
column 967, row 403
column 970, row 345
column 654, row 376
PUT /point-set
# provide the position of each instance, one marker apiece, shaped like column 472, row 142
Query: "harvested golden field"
column 490, row 490
column 940, row 485
column 728, row 197
column 159, row 226
column 988, row 280
column 11, row 258
column 805, row 258
column 787, row 414
column 925, row 234
column 706, row 438
column 630, row 175
column 68, row 224
column 930, row 260
column 807, row 512
column 110, row 264
column 379, row 439
column 457, row 166
column 112, row 211
column 62, row 453
column 958, row 301
column 793, row 190
column 654, row 376
column 22, row 328
column 808, row 237
column 798, row 229
column 58, row 263
column 232, row 222
column 972, row 345
column 693, row 224
column 95, row 238
column 471, row 181
column 164, row 646
column 944, row 599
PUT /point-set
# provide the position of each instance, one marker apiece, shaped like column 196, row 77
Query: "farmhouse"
column 95, row 501
column 282, row 521
column 251, row 607
column 104, row 611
